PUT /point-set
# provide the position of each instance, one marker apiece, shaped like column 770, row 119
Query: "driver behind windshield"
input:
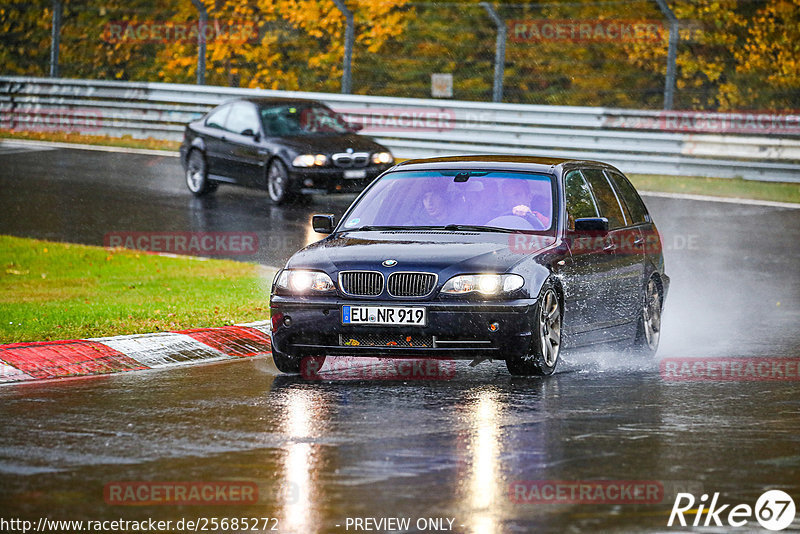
column 517, row 200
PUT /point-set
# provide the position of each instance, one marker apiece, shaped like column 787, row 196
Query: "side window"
column 630, row 197
column 217, row 117
column 579, row 201
column 606, row 199
column 243, row 117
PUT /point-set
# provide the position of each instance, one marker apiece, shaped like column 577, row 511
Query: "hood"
column 331, row 144
column 444, row 253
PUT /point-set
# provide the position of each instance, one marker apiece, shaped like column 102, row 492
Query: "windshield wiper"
column 370, row 228
column 449, row 228
column 477, row 228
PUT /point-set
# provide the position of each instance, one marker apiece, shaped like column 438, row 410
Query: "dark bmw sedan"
column 482, row 257
column 288, row 147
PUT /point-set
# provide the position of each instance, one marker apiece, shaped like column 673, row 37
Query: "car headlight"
column 382, row 158
column 486, row 284
column 310, row 160
column 301, row 281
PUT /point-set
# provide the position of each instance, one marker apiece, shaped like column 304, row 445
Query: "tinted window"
column 579, row 198
column 242, row 117
column 606, row 199
column 630, row 197
column 503, row 199
column 216, row 119
column 302, row 119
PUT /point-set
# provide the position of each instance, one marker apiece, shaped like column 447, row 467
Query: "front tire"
column 648, row 328
column 197, row 175
column 542, row 357
column 278, row 183
column 307, row 366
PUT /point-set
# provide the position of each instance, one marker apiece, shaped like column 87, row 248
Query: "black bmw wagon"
column 477, row 257
column 289, row 147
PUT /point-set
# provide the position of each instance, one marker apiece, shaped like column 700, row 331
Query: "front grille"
column 383, row 340
column 348, row 160
column 411, row 284
column 361, row 283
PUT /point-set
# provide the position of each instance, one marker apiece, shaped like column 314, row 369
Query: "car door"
column 641, row 231
column 243, row 160
column 584, row 275
column 214, row 135
column 624, row 268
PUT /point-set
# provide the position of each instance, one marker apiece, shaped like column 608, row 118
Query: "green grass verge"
column 718, row 187
column 103, row 140
column 51, row 291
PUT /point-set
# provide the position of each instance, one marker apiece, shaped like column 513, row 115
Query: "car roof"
column 499, row 161
column 272, row 100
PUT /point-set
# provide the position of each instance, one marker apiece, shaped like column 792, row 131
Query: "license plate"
column 355, row 173
column 384, row 315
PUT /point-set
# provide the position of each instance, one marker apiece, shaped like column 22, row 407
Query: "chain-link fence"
column 729, row 54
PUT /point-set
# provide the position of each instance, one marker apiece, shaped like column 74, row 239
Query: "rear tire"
column 197, row 174
column 542, row 356
column 648, row 327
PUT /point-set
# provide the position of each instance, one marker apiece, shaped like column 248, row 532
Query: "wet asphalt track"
column 323, row 452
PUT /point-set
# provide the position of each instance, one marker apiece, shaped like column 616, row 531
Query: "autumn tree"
column 768, row 64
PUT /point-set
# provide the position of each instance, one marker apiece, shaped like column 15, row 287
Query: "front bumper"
column 332, row 179
column 454, row 329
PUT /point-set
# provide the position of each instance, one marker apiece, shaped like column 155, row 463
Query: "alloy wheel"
column 550, row 327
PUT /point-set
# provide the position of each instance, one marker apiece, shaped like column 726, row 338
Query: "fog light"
column 308, row 182
column 494, row 327
column 287, row 321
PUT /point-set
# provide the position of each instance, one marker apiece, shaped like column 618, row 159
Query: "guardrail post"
column 499, row 52
column 201, row 41
column 672, row 53
column 55, row 38
column 349, row 37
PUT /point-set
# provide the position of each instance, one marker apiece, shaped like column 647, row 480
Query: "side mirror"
column 591, row 224
column 323, row 223
column 250, row 133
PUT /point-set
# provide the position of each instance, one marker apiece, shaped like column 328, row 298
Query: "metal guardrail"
column 764, row 147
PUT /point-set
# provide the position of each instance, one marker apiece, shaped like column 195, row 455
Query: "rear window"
column 630, row 197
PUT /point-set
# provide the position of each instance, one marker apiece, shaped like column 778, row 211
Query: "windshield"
column 302, row 119
column 497, row 200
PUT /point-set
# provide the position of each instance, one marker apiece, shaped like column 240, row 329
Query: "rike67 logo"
column 774, row 510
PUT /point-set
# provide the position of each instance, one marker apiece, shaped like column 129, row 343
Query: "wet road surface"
column 323, row 452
